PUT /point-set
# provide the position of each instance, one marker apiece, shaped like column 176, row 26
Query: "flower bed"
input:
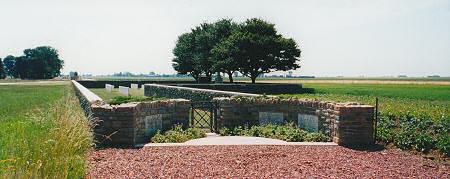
column 288, row 133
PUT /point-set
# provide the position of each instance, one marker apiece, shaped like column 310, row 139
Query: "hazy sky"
column 337, row 37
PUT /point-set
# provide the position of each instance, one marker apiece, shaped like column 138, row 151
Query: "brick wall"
column 345, row 123
column 131, row 123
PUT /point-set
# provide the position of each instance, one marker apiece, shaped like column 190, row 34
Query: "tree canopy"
column 193, row 50
column 253, row 47
column 38, row 63
column 257, row 48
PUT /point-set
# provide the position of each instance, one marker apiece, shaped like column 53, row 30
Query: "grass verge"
column 45, row 134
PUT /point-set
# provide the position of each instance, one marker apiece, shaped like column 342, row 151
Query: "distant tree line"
column 252, row 48
column 37, row 63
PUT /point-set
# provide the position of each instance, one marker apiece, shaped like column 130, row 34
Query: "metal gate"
column 204, row 115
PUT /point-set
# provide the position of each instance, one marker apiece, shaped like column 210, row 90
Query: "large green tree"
column 2, row 70
column 257, row 48
column 10, row 63
column 37, row 63
column 43, row 62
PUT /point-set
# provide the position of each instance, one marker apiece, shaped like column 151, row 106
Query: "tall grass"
column 49, row 142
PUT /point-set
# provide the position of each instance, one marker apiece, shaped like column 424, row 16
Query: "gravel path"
column 260, row 161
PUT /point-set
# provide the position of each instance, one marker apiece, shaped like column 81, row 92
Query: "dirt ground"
column 261, row 162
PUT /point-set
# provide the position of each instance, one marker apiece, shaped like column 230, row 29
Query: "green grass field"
column 107, row 96
column 433, row 100
column 43, row 132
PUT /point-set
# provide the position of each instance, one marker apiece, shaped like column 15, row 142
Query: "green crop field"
column 411, row 116
column 43, row 132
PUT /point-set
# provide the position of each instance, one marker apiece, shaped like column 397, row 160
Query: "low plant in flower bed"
column 178, row 135
column 413, row 132
column 288, row 132
column 127, row 99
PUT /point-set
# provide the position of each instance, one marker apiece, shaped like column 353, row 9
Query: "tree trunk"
column 253, row 79
column 209, row 77
column 230, row 76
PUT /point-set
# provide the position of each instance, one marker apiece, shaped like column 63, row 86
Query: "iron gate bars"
column 204, row 115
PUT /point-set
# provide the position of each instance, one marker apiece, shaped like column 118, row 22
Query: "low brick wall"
column 131, row 123
column 345, row 123
column 195, row 94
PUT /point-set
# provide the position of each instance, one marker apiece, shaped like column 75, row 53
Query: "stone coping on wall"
column 291, row 101
column 88, row 94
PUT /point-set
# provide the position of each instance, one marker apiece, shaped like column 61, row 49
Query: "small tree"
column 258, row 48
column 10, row 63
column 2, row 70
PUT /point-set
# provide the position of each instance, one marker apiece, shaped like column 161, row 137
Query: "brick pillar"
column 354, row 125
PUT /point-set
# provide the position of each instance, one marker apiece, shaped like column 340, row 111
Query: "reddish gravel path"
column 260, row 161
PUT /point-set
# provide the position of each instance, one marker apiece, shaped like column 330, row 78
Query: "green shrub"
column 288, row 132
column 178, row 135
column 316, row 137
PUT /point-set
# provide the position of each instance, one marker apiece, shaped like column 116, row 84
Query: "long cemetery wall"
column 133, row 123
column 260, row 88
